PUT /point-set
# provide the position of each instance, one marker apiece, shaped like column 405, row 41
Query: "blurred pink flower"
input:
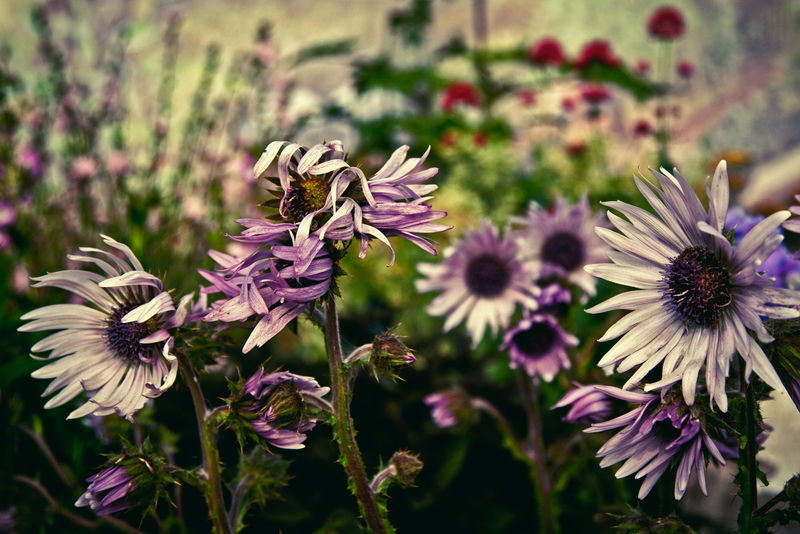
column 642, row 67
column 83, row 167
column 30, row 160
column 118, row 163
column 527, row 97
column 8, row 214
column 685, row 69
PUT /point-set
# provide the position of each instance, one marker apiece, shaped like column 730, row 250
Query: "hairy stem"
column 208, row 440
column 749, row 490
column 547, row 514
column 343, row 424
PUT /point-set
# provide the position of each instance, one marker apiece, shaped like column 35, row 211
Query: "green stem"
column 548, row 522
column 208, row 440
column 345, row 432
column 750, row 495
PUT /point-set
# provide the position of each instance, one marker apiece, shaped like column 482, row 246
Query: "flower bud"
column 406, row 467
column 388, row 354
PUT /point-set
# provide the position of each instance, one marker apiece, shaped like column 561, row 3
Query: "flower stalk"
column 212, row 488
column 344, row 430
column 547, row 514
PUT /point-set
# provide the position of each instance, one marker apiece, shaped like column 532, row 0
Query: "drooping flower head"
column 284, row 406
column 666, row 23
column 108, row 491
column 115, row 348
column 481, row 279
column 538, row 344
column 561, row 241
column 546, row 51
column 696, row 297
column 657, row 434
column 587, row 405
column 449, row 407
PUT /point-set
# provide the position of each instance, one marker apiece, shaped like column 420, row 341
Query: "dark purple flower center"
column 123, row 338
column 305, row 197
column 699, row 286
column 536, row 341
column 487, row 276
column 564, row 249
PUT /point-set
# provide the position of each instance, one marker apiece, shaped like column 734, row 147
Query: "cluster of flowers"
column 322, row 204
column 115, row 342
column 485, row 277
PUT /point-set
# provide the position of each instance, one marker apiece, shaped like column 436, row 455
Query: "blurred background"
column 142, row 120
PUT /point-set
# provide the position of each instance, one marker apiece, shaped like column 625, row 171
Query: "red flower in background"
column 599, row 51
column 527, row 97
column 480, row 139
column 666, row 23
column 457, row 93
column 595, row 93
column 642, row 67
column 546, row 51
column 685, row 69
column 576, row 148
column 568, row 104
column 642, row 128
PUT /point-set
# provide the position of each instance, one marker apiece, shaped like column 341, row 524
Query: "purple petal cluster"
column 322, row 204
column 446, row 405
column 781, row 264
column 281, row 407
column 108, row 491
column 654, row 435
column 587, row 405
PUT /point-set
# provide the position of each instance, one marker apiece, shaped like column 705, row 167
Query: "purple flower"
column 481, row 279
column 396, row 201
column 8, row 214
column 697, row 299
column 31, row 161
column 655, row 433
column 552, row 297
column 276, row 283
column 281, row 407
column 444, row 405
column 108, row 491
column 560, row 241
column 538, row 344
column 587, row 405
column 780, row 264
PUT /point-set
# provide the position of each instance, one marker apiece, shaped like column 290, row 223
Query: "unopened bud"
column 406, row 466
column 389, row 353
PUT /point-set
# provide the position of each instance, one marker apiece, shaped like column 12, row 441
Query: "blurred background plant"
column 127, row 118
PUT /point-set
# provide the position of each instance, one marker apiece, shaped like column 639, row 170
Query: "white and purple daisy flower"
column 482, row 280
column 696, row 297
column 108, row 491
column 654, row 434
column 538, row 344
column 282, row 406
column 560, row 241
column 116, row 347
